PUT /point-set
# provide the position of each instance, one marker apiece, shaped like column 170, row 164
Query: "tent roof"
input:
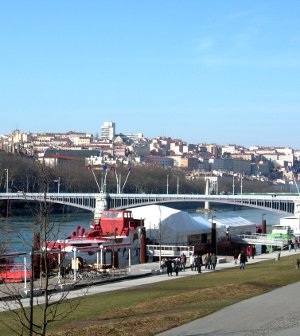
column 176, row 220
column 233, row 222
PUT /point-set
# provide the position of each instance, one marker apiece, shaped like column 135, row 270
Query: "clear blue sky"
column 203, row 71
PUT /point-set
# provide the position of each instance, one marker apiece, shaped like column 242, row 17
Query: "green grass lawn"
column 150, row 309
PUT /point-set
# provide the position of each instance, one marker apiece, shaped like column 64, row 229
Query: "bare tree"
column 45, row 309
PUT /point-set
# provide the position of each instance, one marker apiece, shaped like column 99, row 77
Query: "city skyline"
column 202, row 72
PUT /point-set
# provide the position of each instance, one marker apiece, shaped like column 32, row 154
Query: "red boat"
column 115, row 228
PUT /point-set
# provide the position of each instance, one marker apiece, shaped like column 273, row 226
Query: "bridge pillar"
column 210, row 187
column 206, row 204
column 101, row 205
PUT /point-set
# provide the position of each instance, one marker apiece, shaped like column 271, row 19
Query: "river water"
column 18, row 231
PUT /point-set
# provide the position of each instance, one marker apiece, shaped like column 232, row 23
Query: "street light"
column 241, row 184
column 167, row 184
column 6, row 179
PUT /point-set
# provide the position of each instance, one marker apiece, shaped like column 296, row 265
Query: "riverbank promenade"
column 275, row 313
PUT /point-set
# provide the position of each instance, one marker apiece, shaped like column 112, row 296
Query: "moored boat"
column 10, row 271
column 115, row 229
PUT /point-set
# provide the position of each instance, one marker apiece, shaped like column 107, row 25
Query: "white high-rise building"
column 108, row 130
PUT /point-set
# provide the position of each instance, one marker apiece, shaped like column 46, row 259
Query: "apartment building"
column 108, row 130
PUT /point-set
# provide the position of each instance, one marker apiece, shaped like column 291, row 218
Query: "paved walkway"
column 275, row 313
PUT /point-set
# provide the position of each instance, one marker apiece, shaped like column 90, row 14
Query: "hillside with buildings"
column 111, row 151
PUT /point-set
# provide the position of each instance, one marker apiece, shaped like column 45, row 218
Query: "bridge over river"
column 97, row 202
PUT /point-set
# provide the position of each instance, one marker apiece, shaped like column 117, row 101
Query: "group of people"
column 209, row 261
column 293, row 245
column 174, row 265
column 250, row 252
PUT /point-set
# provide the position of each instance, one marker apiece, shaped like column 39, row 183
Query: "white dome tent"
column 173, row 226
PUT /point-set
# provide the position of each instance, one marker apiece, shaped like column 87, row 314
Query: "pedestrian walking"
column 235, row 257
column 199, row 263
column 253, row 251
column 176, row 266
column 290, row 245
column 195, row 262
column 243, row 259
column 249, row 252
column 213, row 261
column 192, row 261
column 296, row 244
column 207, row 261
column 183, row 262
column 169, row 267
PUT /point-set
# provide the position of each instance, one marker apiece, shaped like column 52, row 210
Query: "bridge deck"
column 286, row 204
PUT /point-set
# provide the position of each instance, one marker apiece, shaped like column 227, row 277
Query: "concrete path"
column 276, row 313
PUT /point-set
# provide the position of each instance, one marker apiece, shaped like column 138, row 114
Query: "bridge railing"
column 280, row 203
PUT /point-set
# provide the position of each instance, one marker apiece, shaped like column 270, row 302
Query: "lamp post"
column 159, row 245
column 241, row 184
column 6, row 180
column 75, row 263
column 167, row 184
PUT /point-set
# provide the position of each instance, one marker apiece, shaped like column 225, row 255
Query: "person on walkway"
column 253, row 251
column 207, row 260
column 290, row 245
column 243, row 259
column 249, row 252
column 177, row 266
column 192, row 260
column 235, row 257
column 296, row 245
column 199, row 263
column 183, row 262
column 169, row 267
column 213, row 261
column 195, row 262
